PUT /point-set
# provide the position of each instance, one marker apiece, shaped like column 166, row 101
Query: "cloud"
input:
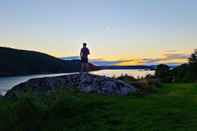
column 176, row 56
column 171, row 51
column 170, row 56
column 167, row 57
column 102, row 62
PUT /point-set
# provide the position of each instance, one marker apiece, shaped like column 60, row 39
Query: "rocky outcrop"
column 84, row 82
column 104, row 85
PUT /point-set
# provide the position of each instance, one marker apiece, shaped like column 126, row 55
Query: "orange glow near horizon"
column 134, row 60
column 125, row 58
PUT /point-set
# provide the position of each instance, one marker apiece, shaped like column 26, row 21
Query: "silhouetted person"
column 84, row 58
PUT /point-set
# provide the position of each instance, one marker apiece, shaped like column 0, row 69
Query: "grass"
column 172, row 107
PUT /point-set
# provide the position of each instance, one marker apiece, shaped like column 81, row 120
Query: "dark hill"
column 23, row 62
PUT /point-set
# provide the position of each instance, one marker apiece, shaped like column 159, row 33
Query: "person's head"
column 84, row 44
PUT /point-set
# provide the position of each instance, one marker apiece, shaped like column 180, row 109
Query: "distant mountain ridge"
column 23, row 62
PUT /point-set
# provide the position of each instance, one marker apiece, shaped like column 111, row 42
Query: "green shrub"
column 163, row 73
column 127, row 78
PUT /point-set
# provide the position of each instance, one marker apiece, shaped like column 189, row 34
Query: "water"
column 117, row 73
column 7, row 83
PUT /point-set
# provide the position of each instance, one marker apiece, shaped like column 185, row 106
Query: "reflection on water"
column 8, row 82
column 117, row 73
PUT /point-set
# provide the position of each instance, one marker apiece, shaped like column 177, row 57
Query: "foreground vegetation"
column 170, row 107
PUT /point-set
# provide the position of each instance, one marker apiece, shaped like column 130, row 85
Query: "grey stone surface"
column 84, row 82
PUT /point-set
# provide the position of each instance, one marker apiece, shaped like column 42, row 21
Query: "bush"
column 127, row 79
column 146, row 85
column 163, row 73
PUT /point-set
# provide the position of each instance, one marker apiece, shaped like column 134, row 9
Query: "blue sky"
column 115, row 30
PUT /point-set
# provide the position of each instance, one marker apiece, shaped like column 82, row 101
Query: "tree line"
column 186, row 72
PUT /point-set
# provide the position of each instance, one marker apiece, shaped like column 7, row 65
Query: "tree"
column 163, row 73
column 183, row 73
column 193, row 66
column 193, row 58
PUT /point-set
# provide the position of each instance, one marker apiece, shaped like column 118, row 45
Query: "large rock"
column 84, row 82
column 104, row 85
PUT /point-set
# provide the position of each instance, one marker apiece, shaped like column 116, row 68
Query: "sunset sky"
column 117, row 31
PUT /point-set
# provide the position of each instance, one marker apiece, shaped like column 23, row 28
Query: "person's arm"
column 81, row 53
column 88, row 51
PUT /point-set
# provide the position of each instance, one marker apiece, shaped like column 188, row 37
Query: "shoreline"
column 11, row 81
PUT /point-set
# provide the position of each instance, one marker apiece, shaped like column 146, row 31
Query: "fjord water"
column 132, row 72
column 7, row 83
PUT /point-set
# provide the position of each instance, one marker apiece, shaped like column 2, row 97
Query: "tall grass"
column 172, row 107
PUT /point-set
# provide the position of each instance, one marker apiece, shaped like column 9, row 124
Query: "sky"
column 121, row 32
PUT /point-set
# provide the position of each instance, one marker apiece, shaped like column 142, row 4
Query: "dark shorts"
column 84, row 60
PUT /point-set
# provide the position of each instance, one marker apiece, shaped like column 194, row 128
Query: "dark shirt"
column 84, row 52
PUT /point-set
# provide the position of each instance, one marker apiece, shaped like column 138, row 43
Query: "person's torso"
column 85, row 52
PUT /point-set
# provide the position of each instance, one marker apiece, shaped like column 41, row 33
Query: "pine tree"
column 193, row 58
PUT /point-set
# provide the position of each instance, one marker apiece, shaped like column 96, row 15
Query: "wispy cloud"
column 102, row 62
column 169, row 57
column 166, row 58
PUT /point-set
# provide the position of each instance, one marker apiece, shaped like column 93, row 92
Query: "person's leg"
column 82, row 67
column 86, row 67
column 82, row 73
column 84, row 70
column 85, row 64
